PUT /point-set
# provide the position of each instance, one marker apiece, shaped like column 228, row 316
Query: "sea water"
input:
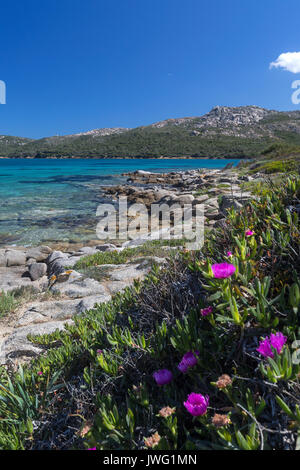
column 52, row 201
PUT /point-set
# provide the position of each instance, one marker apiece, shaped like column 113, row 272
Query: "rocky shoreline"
column 58, row 292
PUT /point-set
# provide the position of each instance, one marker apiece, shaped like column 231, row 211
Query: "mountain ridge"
column 224, row 131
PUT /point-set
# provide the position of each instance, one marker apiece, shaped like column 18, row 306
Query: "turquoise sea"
column 49, row 201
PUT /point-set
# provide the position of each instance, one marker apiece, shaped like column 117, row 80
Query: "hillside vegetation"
column 277, row 158
column 200, row 355
column 223, row 132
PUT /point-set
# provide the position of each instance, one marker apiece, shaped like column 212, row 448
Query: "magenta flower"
column 206, row 311
column 189, row 360
column 223, row 270
column 197, row 404
column 163, row 377
column 229, row 253
column 99, row 352
column 277, row 341
column 40, row 373
column 92, row 448
column 249, row 233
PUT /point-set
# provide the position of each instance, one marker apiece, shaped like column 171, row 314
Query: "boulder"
column 37, row 270
column 2, row 260
column 39, row 253
column 69, row 276
column 213, row 215
column 57, row 262
column 15, row 258
column 30, row 261
column 106, row 247
column 13, row 278
column 229, row 202
column 200, row 199
column 185, row 199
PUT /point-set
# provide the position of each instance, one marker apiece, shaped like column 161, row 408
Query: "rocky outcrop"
column 71, row 292
column 17, row 346
column 76, row 293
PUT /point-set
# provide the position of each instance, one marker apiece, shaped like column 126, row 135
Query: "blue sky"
column 75, row 65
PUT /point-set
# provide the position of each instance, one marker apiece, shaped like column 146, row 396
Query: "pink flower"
column 163, row 377
column 277, row 341
column 99, row 352
column 189, row 360
column 223, row 270
column 92, row 448
column 206, row 311
column 40, row 373
column 229, row 253
column 197, row 404
column 265, row 348
column 249, row 233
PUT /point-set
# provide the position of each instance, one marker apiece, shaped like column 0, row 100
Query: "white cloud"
column 289, row 61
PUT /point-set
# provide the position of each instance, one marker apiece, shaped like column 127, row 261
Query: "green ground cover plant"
column 203, row 354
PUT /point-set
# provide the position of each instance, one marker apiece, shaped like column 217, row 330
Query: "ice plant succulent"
column 206, row 311
column 249, row 233
column 188, row 360
column 229, row 253
column 163, row 377
column 223, row 270
column 277, row 341
column 196, row 404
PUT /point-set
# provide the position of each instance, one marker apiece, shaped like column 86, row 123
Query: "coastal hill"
column 239, row 132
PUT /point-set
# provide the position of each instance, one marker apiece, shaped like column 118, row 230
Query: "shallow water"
column 56, row 200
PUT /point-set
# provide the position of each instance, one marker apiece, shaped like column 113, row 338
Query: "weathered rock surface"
column 37, row 270
column 42, row 312
column 235, row 200
column 40, row 253
column 18, row 346
column 15, row 258
column 78, row 288
column 12, row 278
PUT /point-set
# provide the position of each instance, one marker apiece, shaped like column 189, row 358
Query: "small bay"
column 55, row 200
